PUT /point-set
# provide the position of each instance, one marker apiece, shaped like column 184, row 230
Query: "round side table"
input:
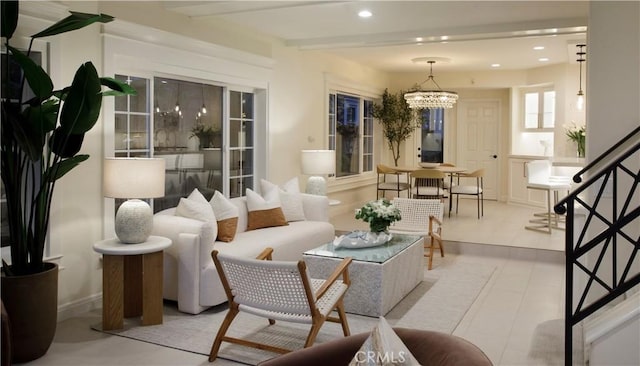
column 131, row 280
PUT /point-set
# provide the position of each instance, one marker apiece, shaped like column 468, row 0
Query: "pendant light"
column 431, row 98
column 581, row 58
column 177, row 107
column 203, row 109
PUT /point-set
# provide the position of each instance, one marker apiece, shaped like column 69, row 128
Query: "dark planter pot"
column 32, row 304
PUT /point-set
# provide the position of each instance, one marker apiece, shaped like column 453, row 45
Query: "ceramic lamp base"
column 134, row 221
column 317, row 186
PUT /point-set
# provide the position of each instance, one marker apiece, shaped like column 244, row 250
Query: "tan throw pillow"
column 264, row 211
column 383, row 347
column 290, row 201
column 196, row 207
column 227, row 216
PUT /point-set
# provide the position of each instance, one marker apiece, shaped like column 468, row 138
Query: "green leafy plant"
column 42, row 136
column 397, row 120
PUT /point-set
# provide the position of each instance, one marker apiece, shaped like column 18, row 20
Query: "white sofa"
column 190, row 277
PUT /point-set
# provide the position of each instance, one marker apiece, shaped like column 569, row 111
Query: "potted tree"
column 397, row 120
column 41, row 138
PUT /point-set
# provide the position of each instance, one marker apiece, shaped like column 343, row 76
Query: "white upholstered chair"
column 279, row 290
column 421, row 217
column 539, row 177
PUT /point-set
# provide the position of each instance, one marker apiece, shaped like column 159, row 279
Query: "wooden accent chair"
column 389, row 180
column 428, row 183
column 279, row 290
column 421, row 217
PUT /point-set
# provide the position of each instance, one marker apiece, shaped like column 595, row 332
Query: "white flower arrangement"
column 577, row 132
column 379, row 214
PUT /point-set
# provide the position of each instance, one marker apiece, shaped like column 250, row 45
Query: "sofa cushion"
column 290, row 198
column 264, row 211
column 196, row 207
column 226, row 215
column 288, row 242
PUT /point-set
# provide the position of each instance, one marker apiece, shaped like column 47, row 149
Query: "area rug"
column 438, row 303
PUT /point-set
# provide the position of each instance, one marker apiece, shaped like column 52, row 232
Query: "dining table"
column 451, row 171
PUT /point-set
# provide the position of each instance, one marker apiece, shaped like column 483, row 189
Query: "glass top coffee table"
column 380, row 276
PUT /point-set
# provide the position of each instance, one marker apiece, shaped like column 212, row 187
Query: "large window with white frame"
column 204, row 132
column 350, row 121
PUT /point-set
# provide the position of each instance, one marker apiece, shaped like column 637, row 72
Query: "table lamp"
column 132, row 179
column 318, row 163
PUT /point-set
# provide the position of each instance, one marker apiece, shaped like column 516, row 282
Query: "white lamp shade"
column 133, row 177
column 318, row 162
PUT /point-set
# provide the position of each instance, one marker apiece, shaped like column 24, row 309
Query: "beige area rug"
column 438, row 303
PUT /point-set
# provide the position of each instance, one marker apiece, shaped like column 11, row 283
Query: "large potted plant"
column 397, row 120
column 41, row 137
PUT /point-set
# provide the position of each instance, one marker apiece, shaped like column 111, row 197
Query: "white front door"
column 478, row 143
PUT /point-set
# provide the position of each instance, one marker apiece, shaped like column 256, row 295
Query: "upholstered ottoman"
column 429, row 348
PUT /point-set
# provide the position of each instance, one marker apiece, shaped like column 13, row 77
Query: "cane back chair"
column 421, row 217
column 279, row 290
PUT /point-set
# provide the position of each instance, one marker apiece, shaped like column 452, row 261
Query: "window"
column 432, row 135
column 350, row 120
column 204, row 132
column 539, row 108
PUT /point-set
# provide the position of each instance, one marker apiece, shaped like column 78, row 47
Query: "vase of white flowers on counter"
column 577, row 133
column 379, row 214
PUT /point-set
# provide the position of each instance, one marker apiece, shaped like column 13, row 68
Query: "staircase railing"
column 602, row 253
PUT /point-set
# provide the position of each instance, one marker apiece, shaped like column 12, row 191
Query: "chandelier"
column 434, row 98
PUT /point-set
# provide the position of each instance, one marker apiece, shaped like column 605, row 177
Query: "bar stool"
column 539, row 177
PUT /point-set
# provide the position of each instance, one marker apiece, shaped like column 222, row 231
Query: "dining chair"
column 279, row 290
column 421, row 217
column 428, row 183
column 469, row 190
column 539, row 178
column 389, row 180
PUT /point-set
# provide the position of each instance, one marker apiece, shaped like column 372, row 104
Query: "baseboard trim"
column 79, row 307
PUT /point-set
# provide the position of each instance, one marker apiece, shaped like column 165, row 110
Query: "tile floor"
column 525, row 292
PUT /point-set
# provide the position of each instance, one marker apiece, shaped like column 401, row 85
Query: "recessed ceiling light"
column 495, row 65
column 444, row 38
column 364, row 14
column 543, row 59
column 419, row 39
column 538, row 48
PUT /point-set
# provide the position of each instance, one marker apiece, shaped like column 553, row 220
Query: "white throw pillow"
column 383, row 347
column 264, row 211
column 291, row 186
column 290, row 198
column 226, row 214
column 196, row 207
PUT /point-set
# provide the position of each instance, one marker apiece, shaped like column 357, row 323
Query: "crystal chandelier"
column 435, row 98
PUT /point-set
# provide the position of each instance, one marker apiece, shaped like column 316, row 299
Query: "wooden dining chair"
column 469, row 190
column 389, row 180
column 428, row 183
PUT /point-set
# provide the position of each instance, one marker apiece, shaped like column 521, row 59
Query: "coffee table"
column 380, row 276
